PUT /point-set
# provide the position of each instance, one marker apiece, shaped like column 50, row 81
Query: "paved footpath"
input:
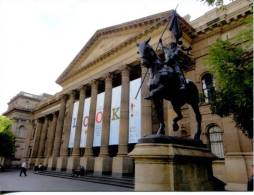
column 11, row 181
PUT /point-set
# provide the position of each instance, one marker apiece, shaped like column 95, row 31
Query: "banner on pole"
column 85, row 122
column 134, row 112
column 73, row 124
column 115, row 116
column 98, row 120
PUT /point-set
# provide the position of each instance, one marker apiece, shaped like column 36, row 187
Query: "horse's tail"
column 193, row 93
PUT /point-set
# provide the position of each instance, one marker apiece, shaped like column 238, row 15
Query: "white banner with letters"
column 134, row 112
column 73, row 124
column 98, row 120
column 85, row 122
column 115, row 116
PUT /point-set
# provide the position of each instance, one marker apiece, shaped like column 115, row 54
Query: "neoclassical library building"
column 95, row 120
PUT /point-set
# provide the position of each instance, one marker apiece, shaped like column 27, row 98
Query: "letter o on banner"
column 98, row 117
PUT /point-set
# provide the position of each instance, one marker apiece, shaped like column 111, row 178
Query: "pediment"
column 107, row 40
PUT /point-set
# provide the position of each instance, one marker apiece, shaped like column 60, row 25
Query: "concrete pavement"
column 11, row 181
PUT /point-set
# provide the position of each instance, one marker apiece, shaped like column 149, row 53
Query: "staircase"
column 127, row 182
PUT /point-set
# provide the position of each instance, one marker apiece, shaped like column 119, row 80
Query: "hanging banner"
column 85, row 122
column 115, row 116
column 98, row 120
column 73, row 124
column 134, row 112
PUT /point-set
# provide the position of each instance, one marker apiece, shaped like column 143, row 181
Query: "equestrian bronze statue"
column 167, row 82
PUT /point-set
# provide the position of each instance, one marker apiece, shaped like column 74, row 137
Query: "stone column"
column 124, row 114
column 103, row 163
column 122, row 164
column 91, row 120
column 62, row 160
column 36, row 141
column 52, row 135
column 29, row 127
column 58, row 134
column 88, row 161
column 43, row 139
column 146, row 106
column 73, row 161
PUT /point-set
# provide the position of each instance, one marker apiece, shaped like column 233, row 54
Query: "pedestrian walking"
column 23, row 168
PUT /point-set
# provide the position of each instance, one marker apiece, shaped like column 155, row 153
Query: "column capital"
column 125, row 71
column 64, row 97
column 82, row 87
column 94, row 83
column 73, row 92
column 109, row 76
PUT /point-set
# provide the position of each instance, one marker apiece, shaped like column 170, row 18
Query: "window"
column 208, row 87
column 216, row 141
column 21, row 132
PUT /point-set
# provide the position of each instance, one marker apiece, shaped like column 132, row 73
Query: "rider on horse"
column 171, row 59
column 165, row 68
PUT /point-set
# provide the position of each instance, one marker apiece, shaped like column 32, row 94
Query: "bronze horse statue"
column 164, row 84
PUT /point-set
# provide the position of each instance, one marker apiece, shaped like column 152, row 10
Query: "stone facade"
column 110, row 59
column 20, row 110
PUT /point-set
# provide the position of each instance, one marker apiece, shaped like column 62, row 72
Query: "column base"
column 173, row 165
column 61, row 163
column 122, row 166
column 73, row 162
column 31, row 163
column 102, row 165
column 88, row 163
column 39, row 161
column 45, row 162
column 52, row 162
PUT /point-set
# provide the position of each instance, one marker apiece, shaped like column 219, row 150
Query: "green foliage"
column 7, row 139
column 232, row 66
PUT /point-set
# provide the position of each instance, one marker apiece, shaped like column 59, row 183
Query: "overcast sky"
column 39, row 38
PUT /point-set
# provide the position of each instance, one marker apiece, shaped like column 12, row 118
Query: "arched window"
column 216, row 141
column 21, row 132
column 208, row 87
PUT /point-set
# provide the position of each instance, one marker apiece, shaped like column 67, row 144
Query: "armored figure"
column 172, row 59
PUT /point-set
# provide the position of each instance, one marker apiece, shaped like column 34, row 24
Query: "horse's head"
column 146, row 53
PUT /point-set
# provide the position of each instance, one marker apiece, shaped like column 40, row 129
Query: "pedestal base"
column 172, row 167
column 122, row 166
column 61, row 163
column 73, row 162
column 102, row 165
column 52, row 162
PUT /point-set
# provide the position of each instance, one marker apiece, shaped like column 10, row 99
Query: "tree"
column 7, row 139
column 232, row 65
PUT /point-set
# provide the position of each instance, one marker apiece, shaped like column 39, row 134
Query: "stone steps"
column 122, row 182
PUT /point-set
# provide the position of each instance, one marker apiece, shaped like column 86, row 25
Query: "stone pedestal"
column 73, row 162
column 52, row 162
column 172, row 165
column 88, row 163
column 102, row 165
column 61, row 163
column 122, row 166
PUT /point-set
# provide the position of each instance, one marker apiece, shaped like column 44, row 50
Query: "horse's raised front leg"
column 178, row 117
column 199, row 120
column 158, row 103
